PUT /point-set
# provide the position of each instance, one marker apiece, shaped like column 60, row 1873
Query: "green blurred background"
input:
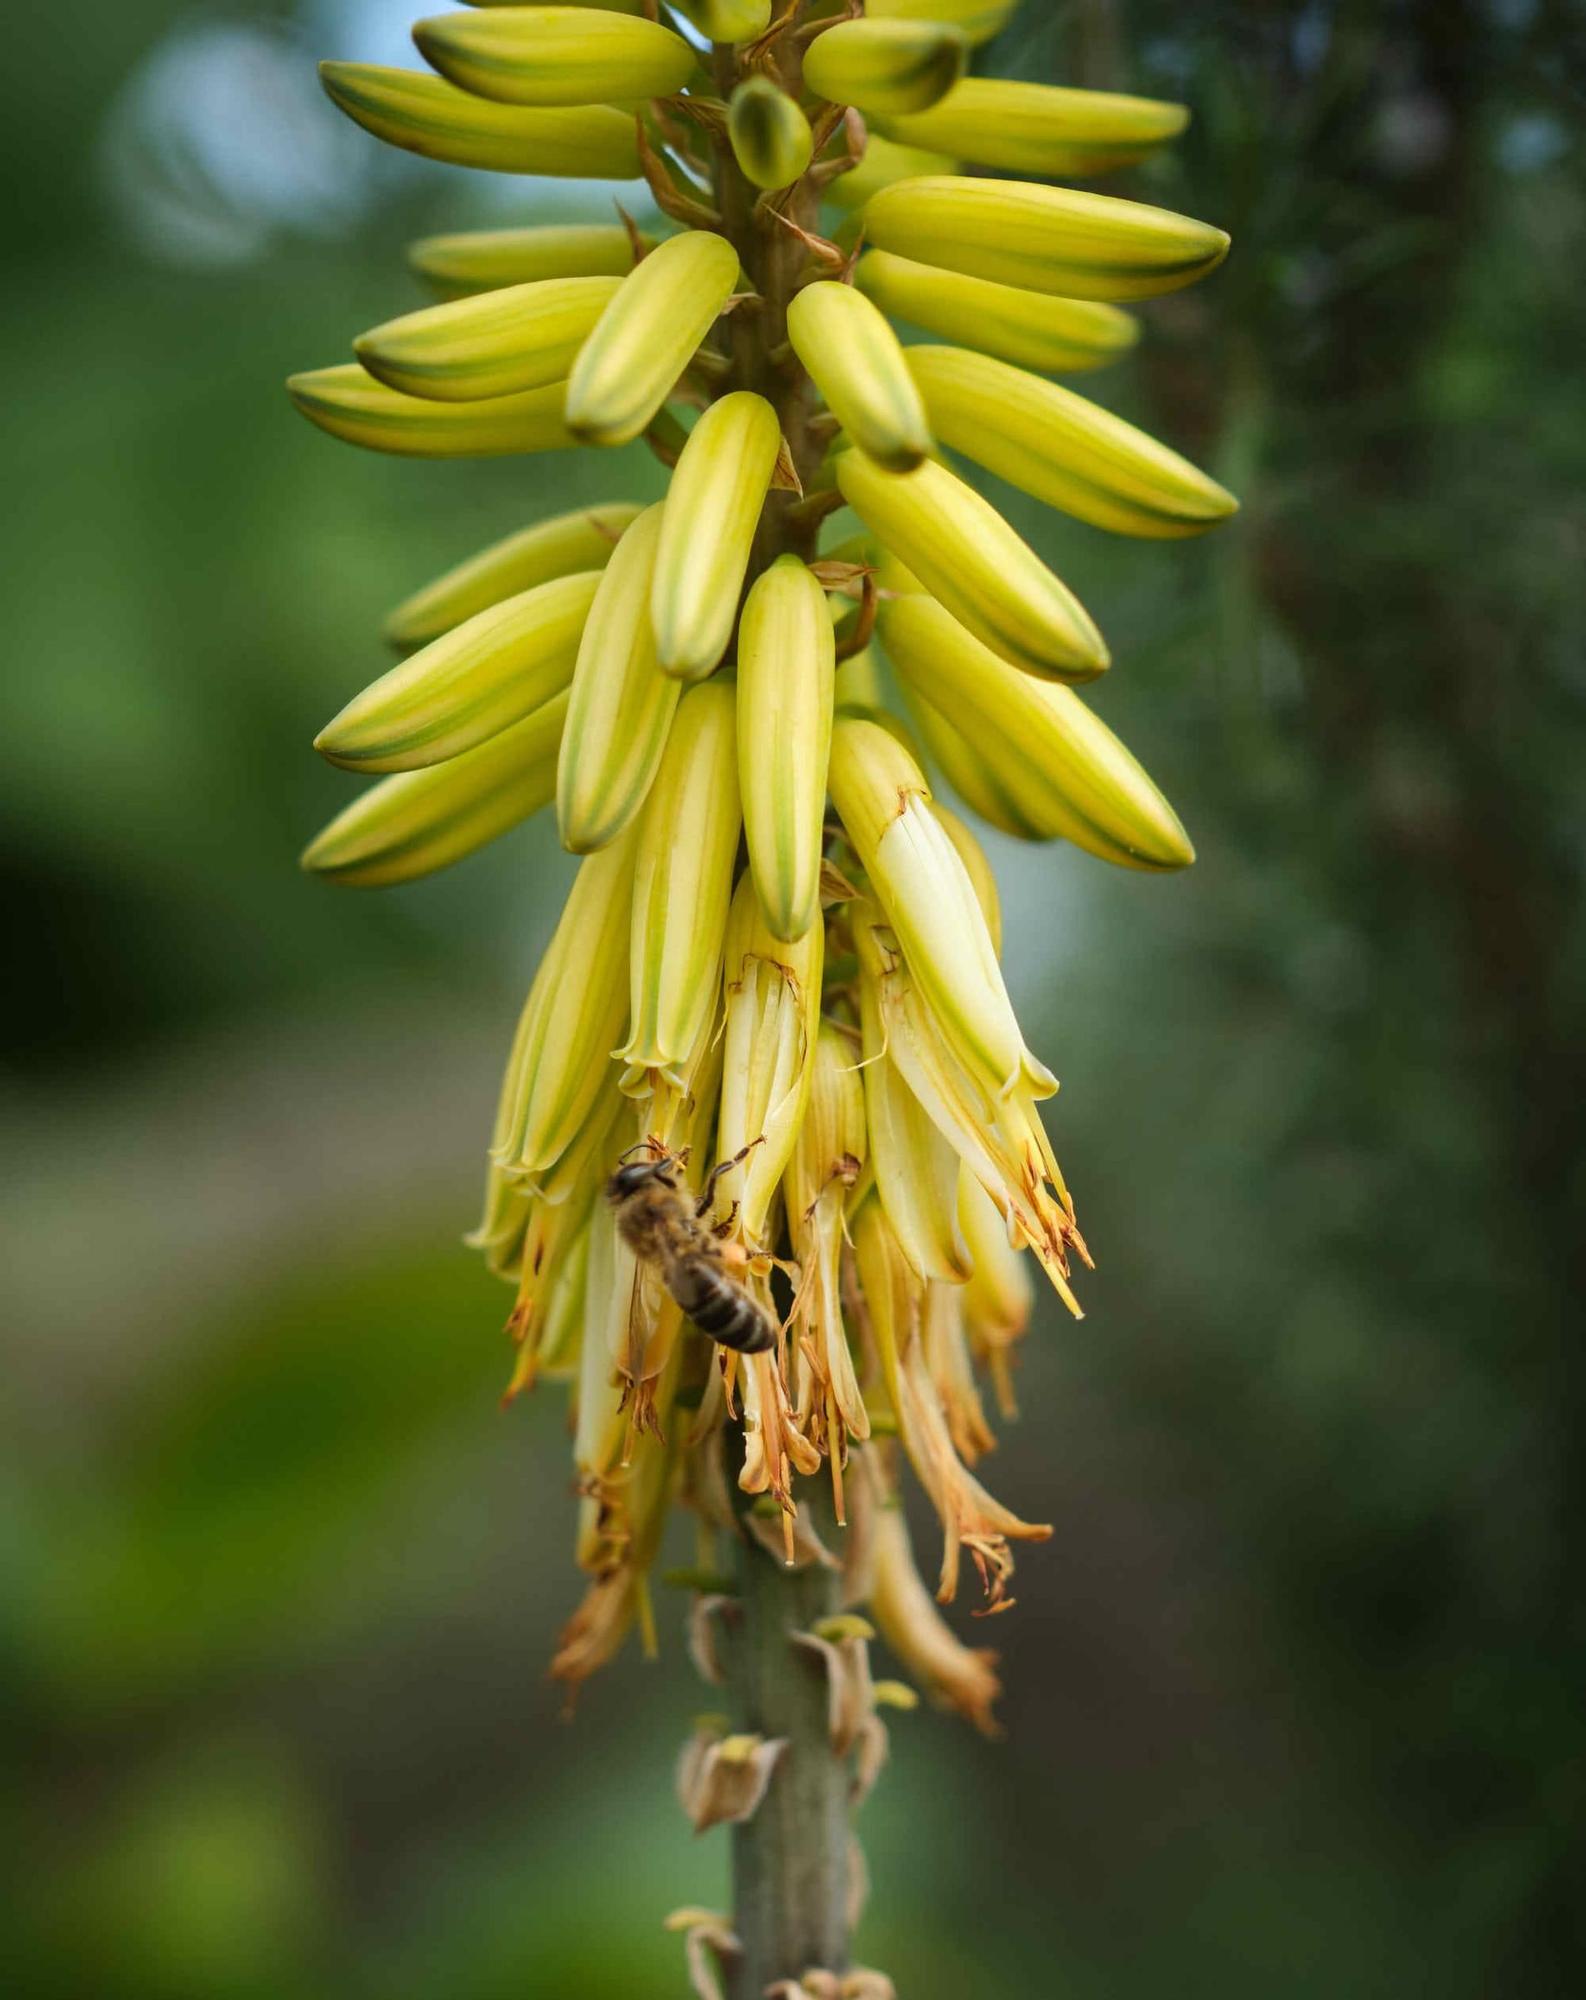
column 1294, row 1696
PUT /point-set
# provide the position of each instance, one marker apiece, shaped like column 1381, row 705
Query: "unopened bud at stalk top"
column 1044, row 239
column 964, row 553
column 556, row 55
column 712, row 510
column 857, row 362
column 427, row 115
column 786, row 671
column 886, row 66
column 647, row 336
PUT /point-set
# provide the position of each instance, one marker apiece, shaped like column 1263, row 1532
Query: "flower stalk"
column 770, row 1173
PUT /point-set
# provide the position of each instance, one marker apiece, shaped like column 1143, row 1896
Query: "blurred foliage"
column 1294, row 1693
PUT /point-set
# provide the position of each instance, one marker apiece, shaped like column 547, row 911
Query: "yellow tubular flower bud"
column 1060, row 767
column 728, row 20
column 621, row 704
column 1036, row 128
column 350, row 404
column 1066, row 451
column 773, row 993
column 425, row 114
column 561, row 1058
column 916, row 1170
column 858, row 365
column 884, row 804
column 483, row 260
column 420, row 821
column 964, row 553
column 977, row 868
column 581, row 540
column 976, row 20
column 786, row 673
column 647, row 336
column 712, row 510
column 1031, row 329
column 1044, row 239
column 521, row 338
column 770, row 136
column 467, row 686
column 882, row 164
column 885, row 66
column 556, row 55
column 688, row 836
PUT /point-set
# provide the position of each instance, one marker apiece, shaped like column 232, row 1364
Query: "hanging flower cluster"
column 769, row 1170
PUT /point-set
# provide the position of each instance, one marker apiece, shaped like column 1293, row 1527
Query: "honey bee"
column 663, row 1224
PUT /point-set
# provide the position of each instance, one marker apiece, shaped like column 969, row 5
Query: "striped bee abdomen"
column 724, row 1310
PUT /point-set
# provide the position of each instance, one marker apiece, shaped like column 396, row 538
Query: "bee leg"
column 708, row 1191
column 723, row 1228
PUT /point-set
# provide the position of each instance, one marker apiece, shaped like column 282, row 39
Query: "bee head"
column 633, row 1175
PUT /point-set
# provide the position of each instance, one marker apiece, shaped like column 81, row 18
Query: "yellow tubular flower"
column 916, row 1170
column 786, row 674
column 977, row 868
column 621, row 704
column 1061, row 768
column 556, row 55
column 951, row 1368
column 712, row 509
column 886, row 66
column 581, row 540
column 1035, row 128
column 999, row 1139
column 971, row 1519
column 773, row 996
column 683, row 883
column 1066, row 451
column 350, row 404
column 559, row 1063
column 420, row 821
column 647, row 336
column 827, row 1158
column 976, row 20
column 882, row 164
column 882, row 798
column 770, row 136
column 1030, row 329
column 483, row 260
column 857, row 363
column 521, row 338
column 999, row 1297
column 950, row 1673
column 1044, row 239
column 425, row 114
column 467, row 686
column 965, row 554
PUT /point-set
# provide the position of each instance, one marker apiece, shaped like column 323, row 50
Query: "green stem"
column 790, row 1862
